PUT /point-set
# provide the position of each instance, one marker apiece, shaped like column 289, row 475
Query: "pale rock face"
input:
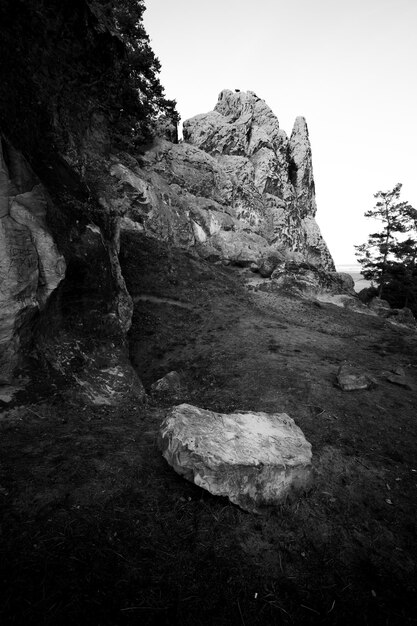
column 31, row 266
column 240, row 248
column 254, row 459
column 193, row 170
column 298, row 277
column 351, row 378
column 236, row 170
column 29, row 210
column 301, row 169
column 170, row 383
column 315, row 250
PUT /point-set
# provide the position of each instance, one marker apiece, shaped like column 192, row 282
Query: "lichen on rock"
column 31, row 267
column 236, row 188
column 254, row 459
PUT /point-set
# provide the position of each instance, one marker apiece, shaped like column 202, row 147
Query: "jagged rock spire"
column 301, row 168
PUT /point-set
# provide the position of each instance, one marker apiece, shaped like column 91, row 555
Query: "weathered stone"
column 92, row 371
column 348, row 302
column 7, row 393
column 243, row 126
column 254, row 459
column 301, row 168
column 170, row 383
column 31, row 266
column 106, row 386
column 381, row 307
column 297, row 277
column 235, row 172
column 344, row 281
column 350, row 378
column 269, row 264
column 29, row 209
column 240, row 248
column 397, row 377
column 300, row 280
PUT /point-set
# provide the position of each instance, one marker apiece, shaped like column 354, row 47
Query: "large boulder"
column 303, row 278
column 270, row 263
column 380, row 307
column 169, row 384
column 350, row 378
column 254, row 459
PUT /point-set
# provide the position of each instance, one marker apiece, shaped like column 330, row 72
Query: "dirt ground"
column 97, row 529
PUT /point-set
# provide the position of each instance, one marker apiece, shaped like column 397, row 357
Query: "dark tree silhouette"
column 388, row 258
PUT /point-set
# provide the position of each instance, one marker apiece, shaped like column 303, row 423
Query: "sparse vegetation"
column 388, row 259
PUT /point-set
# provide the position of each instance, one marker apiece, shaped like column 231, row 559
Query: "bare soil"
column 97, row 529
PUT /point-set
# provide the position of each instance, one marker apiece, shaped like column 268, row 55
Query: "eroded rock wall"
column 31, row 267
column 72, row 312
column 237, row 189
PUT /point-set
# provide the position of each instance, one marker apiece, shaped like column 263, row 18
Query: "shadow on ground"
column 97, row 529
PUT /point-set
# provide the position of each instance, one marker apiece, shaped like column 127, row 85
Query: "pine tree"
column 404, row 270
column 62, row 61
column 140, row 95
column 383, row 253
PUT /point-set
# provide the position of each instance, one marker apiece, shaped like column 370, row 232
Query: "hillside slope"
column 98, row 529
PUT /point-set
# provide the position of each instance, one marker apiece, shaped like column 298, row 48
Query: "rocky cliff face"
column 72, row 312
column 236, row 189
column 31, row 266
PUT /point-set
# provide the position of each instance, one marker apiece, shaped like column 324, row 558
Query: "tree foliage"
column 141, row 95
column 388, row 258
column 63, row 61
column 79, row 80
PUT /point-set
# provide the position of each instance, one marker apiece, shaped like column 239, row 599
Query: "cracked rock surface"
column 253, row 458
column 31, row 266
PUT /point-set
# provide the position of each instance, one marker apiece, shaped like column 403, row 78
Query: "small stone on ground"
column 350, row 378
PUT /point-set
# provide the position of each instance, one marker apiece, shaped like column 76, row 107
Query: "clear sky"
column 349, row 67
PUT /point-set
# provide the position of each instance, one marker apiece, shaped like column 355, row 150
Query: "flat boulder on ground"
column 351, row 378
column 255, row 459
column 397, row 377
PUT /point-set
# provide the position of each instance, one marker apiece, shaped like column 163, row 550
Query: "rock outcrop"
column 31, row 267
column 72, row 311
column 254, row 459
column 303, row 278
column 236, row 189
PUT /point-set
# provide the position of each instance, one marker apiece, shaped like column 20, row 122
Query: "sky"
column 349, row 67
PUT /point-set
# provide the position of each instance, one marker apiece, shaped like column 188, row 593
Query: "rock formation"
column 254, row 459
column 31, row 266
column 80, row 335
column 235, row 189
